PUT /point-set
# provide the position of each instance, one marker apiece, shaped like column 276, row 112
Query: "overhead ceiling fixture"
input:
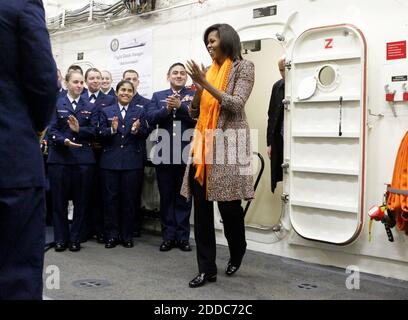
column 139, row 6
column 131, row 5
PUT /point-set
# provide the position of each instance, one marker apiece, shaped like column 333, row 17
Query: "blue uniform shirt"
column 175, row 123
column 122, row 150
column 59, row 130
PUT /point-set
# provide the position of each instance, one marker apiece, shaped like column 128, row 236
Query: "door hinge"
column 285, row 166
column 286, row 104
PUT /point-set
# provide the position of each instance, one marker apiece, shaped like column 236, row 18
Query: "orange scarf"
column 207, row 122
column 398, row 203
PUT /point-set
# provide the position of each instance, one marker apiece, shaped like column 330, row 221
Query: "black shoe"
column 59, row 247
column 201, row 279
column 74, row 246
column 100, row 238
column 184, row 245
column 128, row 244
column 167, row 245
column 111, row 243
column 231, row 269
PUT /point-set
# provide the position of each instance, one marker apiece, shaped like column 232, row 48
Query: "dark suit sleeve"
column 36, row 58
column 269, row 129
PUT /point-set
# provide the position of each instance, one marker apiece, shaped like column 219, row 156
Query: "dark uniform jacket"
column 26, row 106
column 59, row 130
column 122, row 150
column 175, row 123
column 102, row 100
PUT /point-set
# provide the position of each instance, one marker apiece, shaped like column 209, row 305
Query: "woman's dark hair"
column 73, row 67
column 230, row 44
column 175, row 64
column 122, row 82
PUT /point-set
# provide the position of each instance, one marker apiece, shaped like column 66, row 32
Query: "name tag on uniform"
column 64, row 111
column 86, row 112
column 139, row 105
column 110, row 119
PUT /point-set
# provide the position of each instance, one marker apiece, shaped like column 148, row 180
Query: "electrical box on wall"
column 80, row 56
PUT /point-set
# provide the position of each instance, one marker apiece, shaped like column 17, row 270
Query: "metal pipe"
column 128, row 17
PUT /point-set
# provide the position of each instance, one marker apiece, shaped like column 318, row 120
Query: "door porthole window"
column 328, row 77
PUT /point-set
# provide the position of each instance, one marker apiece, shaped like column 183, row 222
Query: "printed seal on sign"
column 114, row 45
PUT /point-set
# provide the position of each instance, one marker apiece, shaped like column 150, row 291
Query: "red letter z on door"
column 328, row 43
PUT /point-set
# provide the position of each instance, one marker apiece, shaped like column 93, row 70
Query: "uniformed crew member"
column 139, row 101
column 106, row 86
column 26, row 106
column 71, row 161
column 71, row 68
column 133, row 77
column 169, row 109
column 123, row 131
column 95, row 96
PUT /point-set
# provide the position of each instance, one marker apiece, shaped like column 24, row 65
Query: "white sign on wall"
column 132, row 51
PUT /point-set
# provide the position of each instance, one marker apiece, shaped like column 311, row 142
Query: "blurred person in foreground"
column 26, row 107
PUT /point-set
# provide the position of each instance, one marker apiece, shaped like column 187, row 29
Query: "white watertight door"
column 325, row 134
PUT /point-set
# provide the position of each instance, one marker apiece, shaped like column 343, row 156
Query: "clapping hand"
column 135, row 126
column 196, row 74
column 73, row 123
column 173, row 102
column 115, row 123
column 71, row 144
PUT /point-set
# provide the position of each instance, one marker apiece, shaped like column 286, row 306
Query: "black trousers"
column 22, row 240
column 232, row 215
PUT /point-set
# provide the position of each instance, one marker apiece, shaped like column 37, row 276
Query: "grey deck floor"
column 145, row 273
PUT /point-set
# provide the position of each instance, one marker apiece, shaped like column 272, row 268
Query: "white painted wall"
column 177, row 36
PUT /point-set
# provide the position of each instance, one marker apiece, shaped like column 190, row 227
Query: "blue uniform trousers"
column 121, row 191
column 22, row 241
column 70, row 182
column 96, row 206
column 94, row 217
column 174, row 209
